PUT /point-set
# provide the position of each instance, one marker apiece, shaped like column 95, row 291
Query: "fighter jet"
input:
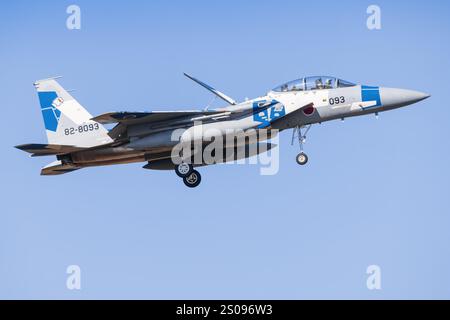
column 79, row 140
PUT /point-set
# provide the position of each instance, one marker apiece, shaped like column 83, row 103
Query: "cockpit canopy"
column 313, row 83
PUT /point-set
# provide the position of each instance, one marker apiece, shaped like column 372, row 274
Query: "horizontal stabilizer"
column 57, row 168
column 47, row 149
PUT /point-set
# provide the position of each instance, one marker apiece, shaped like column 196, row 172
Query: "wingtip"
column 20, row 146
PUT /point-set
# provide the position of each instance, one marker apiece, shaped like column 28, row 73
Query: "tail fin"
column 66, row 121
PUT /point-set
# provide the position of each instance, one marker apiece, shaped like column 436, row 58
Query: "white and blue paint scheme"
column 79, row 140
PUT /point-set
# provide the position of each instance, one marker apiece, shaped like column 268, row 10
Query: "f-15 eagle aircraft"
column 79, row 140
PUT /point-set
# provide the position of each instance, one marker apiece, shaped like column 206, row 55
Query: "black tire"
column 302, row 159
column 183, row 173
column 193, row 180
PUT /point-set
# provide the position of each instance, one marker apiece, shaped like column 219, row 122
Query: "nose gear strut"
column 300, row 133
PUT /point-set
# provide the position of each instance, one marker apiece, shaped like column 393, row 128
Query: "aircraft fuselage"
column 79, row 140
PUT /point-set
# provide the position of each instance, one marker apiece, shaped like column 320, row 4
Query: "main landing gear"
column 183, row 169
column 191, row 177
column 298, row 133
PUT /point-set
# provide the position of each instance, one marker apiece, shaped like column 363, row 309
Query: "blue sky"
column 375, row 192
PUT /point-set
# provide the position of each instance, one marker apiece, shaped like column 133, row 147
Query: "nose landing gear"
column 302, row 158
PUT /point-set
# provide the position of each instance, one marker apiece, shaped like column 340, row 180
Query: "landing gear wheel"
column 183, row 169
column 300, row 132
column 193, row 180
column 302, row 159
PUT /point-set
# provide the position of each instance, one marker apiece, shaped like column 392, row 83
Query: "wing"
column 132, row 118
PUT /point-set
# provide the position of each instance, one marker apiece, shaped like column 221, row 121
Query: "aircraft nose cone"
column 394, row 98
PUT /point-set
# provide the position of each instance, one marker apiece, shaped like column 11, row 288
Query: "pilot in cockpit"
column 319, row 84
